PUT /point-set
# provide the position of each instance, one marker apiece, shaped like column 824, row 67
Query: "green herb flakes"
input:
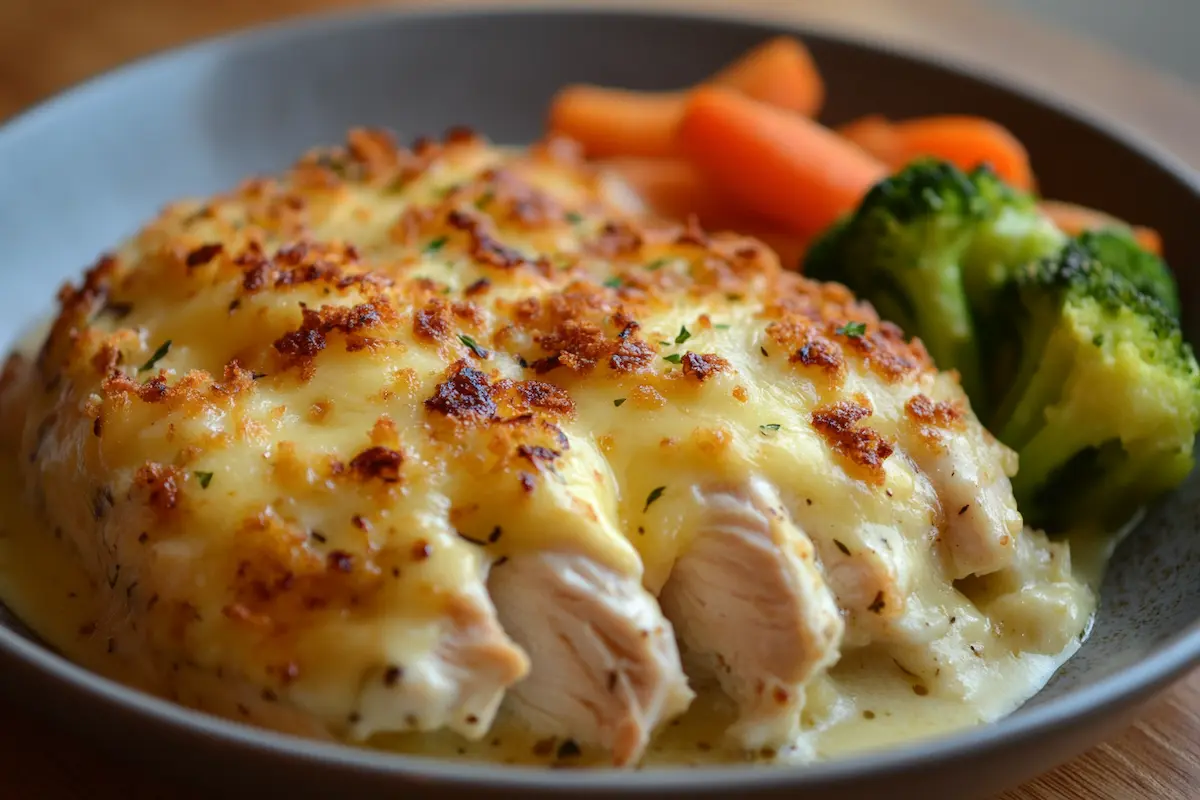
column 473, row 346
column 159, row 354
column 655, row 493
column 853, row 330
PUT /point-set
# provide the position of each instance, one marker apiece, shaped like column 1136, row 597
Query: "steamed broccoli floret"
column 1119, row 251
column 1069, row 349
column 1104, row 401
column 927, row 245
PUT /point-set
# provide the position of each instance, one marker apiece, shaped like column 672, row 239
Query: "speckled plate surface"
column 89, row 167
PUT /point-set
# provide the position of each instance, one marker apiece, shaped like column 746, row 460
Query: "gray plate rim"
column 1167, row 662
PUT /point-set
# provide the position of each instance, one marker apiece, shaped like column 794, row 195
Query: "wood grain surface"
column 46, row 45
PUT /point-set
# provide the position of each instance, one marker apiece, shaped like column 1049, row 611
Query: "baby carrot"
column 780, row 71
column 777, row 164
column 1073, row 219
column 617, row 122
column 962, row 140
column 622, row 122
column 672, row 187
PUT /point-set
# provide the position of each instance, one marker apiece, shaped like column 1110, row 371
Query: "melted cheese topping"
column 281, row 428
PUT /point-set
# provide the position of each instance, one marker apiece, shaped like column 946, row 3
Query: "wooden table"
column 46, row 45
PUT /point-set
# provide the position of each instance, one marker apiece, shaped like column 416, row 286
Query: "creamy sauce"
column 877, row 704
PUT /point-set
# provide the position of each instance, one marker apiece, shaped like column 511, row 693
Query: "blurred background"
column 46, row 45
column 1161, row 33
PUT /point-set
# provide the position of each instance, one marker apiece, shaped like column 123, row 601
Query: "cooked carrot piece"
column 1074, row 219
column 875, row 134
column 617, row 122
column 779, row 71
column 1149, row 239
column 623, row 122
column 962, row 140
column 672, row 187
column 775, row 163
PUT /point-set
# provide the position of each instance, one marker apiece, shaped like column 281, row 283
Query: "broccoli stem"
column 1046, row 452
column 1045, row 360
column 1108, row 488
column 942, row 316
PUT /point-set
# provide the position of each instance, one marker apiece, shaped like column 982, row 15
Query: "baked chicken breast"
column 410, row 437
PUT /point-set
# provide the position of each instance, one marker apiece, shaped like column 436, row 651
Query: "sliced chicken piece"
column 457, row 684
column 605, row 666
column 870, row 574
column 981, row 518
column 748, row 598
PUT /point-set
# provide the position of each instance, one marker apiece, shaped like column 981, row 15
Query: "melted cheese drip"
column 876, row 705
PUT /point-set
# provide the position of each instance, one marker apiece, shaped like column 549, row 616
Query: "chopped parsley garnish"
column 436, row 244
column 769, row 427
column 205, row 478
column 573, row 217
column 655, row 493
column 620, row 401
column 473, row 346
column 484, row 200
column 613, row 283
column 683, row 335
column 159, row 354
column 657, row 264
column 722, row 326
column 852, row 329
column 674, row 358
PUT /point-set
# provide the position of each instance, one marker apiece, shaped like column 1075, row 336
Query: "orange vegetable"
column 961, row 140
column 617, row 122
column 672, row 187
column 1074, row 219
column 622, row 122
column 774, row 163
column 779, row 71
column 877, row 136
